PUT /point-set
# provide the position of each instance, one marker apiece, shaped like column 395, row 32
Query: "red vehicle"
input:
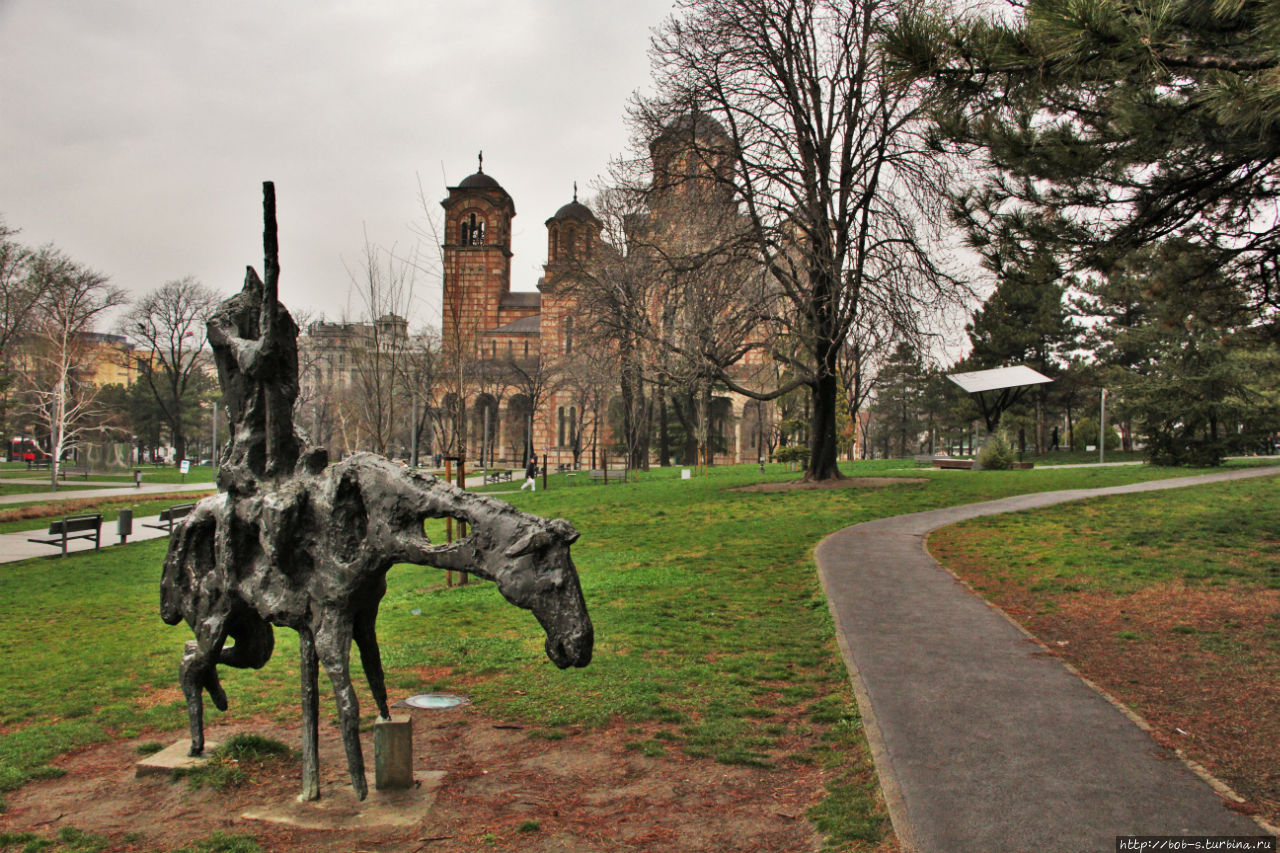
column 25, row 450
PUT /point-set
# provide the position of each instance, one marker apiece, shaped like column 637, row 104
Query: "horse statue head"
column 540, row 576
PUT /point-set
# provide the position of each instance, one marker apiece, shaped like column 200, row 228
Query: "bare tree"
column 169, row 323
column 17, row 296
column 589, row 377
column 59, row 389
column 536, row 380
column 384, row 284
column 419, row 377
column 827, row 158
column 616, row 292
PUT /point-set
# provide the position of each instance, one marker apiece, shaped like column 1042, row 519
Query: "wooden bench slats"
column 170, row 515
column 73, row 527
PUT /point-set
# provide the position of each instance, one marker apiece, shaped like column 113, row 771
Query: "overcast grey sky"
column 135, row 134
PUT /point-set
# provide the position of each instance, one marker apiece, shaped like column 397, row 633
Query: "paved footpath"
column 983, row 742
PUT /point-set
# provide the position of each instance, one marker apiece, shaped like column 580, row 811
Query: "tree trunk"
column 824, row 442
column 664, row 439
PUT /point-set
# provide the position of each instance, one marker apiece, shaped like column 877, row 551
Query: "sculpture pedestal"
column 393, row 753
column 173, row 757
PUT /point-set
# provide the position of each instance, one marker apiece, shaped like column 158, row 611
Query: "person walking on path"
column 530, row 475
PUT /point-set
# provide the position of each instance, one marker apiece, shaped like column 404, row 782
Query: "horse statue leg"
column 198, row 673
column 310, row 717
column 371, row 657
column 333, row 647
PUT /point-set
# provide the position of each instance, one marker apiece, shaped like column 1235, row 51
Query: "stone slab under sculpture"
column 291, row 541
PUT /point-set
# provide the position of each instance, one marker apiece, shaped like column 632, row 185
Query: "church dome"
column 688, row 127
column 576, row 211
column 479, row 181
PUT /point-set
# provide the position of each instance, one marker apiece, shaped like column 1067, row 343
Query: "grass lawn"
column 1170, row 601
column 712, row 633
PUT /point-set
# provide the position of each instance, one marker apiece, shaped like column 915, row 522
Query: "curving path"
column 982, row 741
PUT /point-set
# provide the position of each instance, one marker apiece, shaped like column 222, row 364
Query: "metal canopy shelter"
column 998, row 389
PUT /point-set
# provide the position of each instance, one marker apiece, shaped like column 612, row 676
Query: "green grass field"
column 1217, row 534
column 708, row 613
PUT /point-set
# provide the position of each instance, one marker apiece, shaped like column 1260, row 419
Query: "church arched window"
column 471, row 231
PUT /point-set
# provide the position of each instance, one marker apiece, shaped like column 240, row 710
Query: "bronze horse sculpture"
column 294, row 542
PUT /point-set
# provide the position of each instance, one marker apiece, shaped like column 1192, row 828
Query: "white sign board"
column 186, row 466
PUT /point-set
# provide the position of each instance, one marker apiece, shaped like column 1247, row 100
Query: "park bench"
column 618, row 475
column 962, row 464
column 38, row 464
column 81, row 471
column 497, row 475
column 73, row 527
column 170, row 515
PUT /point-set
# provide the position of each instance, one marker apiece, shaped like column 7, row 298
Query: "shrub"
column 1086, row 433
column 791, row 453
column 996, row 454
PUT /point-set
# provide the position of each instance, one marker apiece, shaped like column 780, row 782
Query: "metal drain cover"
column 434, row 701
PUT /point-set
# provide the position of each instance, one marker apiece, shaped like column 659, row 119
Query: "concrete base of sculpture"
column 175, row 756
column 341, row 809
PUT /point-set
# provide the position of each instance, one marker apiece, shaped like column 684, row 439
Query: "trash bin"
column 124, row 525
column 137, row 478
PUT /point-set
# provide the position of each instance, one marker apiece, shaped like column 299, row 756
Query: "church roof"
column 696, row 126
column 479, row 181
column 531, row 325
column 574, row 210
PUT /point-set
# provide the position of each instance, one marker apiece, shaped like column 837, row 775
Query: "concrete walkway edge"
column 950, row 697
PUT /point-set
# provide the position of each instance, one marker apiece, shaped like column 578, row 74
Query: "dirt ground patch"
column 1201, row 664
column 503, row 789
column 846, row 483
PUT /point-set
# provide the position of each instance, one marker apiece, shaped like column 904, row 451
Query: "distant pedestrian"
column 530, row 476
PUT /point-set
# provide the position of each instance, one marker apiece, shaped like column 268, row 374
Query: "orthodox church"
column 509, row 337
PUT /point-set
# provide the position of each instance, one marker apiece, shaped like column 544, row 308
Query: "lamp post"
column 1102, row 430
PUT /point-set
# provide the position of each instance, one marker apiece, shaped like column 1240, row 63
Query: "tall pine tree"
column 1023, row 322
column 1114, row 124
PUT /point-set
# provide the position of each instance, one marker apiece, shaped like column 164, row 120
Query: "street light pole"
column 1102, row 429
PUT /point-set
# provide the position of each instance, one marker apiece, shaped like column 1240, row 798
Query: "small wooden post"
column 544, row 472
column 462, row 484
column 604, row 466
column 448, row 522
